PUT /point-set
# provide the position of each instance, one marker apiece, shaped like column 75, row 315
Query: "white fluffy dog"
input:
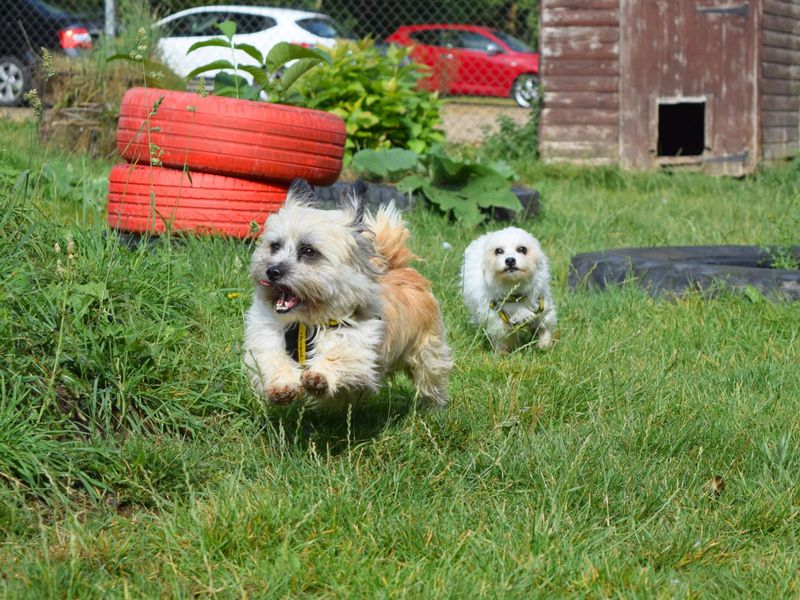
column 505, row 281
column 337, row 308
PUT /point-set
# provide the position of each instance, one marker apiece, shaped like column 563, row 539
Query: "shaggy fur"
column 507, row 271
column 313, row 265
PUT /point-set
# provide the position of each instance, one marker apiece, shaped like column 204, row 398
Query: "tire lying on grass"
column 679, row 269
column 227, row 136
column 145, row 199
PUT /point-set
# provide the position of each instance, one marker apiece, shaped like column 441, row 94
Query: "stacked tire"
column 214, row 165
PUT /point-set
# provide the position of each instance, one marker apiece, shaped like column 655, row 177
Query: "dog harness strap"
column 298, row 341
column 498, row 306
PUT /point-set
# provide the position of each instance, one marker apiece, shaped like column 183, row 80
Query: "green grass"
column 134, row 461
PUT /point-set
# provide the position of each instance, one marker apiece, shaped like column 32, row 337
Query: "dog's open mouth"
column 511, row 269
column 285, row 299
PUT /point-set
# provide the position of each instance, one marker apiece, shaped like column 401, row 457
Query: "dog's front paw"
column 283, row 394
column 315, row 383
column 522, row 317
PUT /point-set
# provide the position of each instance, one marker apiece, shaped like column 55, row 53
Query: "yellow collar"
column 299, row 338
column 498, row 306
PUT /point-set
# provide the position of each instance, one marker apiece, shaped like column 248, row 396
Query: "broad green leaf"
column 296, row 70
column 228, row 84
column 258, row 73
column 503, row 168
column 212, row 43
column 385, row 163
column 228, row 28
column 501, row 199
column 468, row 213
column 212, row 66
column 250, row 92
column 284, row 52
column 252, row 51
column 445, row 199
column 411, row 183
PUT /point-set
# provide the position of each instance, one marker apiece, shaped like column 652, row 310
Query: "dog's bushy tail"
column 391, row 235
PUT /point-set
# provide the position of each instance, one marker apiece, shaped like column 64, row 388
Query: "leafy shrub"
column 514, row 141
column 376, row 95
column 466, row 188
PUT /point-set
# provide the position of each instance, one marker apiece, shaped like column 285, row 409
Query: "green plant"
column 376, row 95
column 467, row 188
column 514, row 141
column 384, row 165
column 264, row 73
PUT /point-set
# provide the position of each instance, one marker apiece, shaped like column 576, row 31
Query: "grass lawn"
column 135, row 462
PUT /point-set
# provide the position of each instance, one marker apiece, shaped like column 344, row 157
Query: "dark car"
column 26, row 26
column 474, row 60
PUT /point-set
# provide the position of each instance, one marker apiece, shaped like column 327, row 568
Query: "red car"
column 472, row 60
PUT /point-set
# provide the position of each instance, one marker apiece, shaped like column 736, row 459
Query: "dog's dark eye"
column 522, row 250
column 498, row 251
column 308, row 252
column 274, row 246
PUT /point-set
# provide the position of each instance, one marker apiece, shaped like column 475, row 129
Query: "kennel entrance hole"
column 681, row 128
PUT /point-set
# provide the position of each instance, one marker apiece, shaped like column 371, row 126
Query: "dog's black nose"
column 511, row 261
column 274, row 273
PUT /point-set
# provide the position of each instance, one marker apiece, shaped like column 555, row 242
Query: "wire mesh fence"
column 478, row 56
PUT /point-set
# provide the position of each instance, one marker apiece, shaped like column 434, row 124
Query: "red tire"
column 241, row 138
column 199, row 202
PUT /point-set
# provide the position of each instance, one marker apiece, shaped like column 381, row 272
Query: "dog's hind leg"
column 430, row 364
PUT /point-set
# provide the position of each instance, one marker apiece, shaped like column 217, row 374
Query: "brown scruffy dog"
column 337, row 308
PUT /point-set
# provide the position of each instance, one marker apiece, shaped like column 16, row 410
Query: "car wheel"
column 144, row 199
column 228, row 136
column 15, row 80
column 525, row 90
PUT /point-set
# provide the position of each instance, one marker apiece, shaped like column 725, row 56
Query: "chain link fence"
column 479, row 55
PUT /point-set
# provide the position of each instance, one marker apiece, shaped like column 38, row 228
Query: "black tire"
column 15, row 79
column 676, row 270
column 525, row 90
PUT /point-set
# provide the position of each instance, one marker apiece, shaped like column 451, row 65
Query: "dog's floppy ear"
column 354, row 202
column 300, row 193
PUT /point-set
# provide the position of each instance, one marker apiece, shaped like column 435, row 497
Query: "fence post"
column 110, row 18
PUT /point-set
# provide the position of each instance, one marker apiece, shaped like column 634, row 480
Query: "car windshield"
column 49, row 9
column 512, row 42
column 326, row 28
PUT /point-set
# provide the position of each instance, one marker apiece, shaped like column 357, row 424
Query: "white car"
column 259, row 26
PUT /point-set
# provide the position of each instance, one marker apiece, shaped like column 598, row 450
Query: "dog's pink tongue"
column 286, row 302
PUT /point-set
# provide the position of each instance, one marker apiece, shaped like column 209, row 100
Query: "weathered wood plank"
column 772, row 70
column 578, row 52
column 770, row 102
column 786, row 9
column 781, row 40
column 581, row 100
column 781, row 23
column 561, row 17
column 580, row 116
column 581, row 34
column 780, row 118
column 780, row 87
column 580, row 133
column 580, row 83
column 568, row 66
column 777, row 151
column 782, row 135
column 578, row 150
column 580, row 4
column 781, row 55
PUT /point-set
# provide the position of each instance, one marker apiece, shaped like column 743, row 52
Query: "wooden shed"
column 648, row 83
